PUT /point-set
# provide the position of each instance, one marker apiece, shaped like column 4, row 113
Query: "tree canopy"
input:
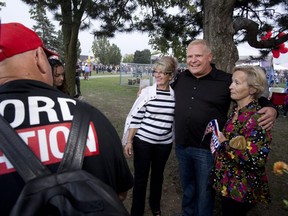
column 172, row 24
column 128, row 58
column 142, row 57
column 105, row 53
column 223, row 23
column 74, row 16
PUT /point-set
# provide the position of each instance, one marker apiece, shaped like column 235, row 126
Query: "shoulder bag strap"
column 76, row 143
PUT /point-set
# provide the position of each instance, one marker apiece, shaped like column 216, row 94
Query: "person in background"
column 87, row 72
column 239, row 175
column 42, row 115
column 77, row 81
column 83, row 69
column 58, row 72
column 148, row 136
column 202, row 94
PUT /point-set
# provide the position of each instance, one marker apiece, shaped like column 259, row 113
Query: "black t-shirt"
column 42, row 116
column 198, row 101
column 78, row 72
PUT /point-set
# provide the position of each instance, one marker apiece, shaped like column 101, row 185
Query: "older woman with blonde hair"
column 239, row 173
column 148, row 135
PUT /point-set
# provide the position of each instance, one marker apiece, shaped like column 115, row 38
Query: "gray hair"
column 201, row 42
column 255, row 78
column 167, row 64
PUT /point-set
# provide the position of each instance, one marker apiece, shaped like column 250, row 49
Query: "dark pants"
column 148, row 155
column 285, row 109
column 77, row 82
column 195, row 165
column 232, row 207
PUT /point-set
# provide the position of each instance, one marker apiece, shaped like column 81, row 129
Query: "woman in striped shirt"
column 148, row 135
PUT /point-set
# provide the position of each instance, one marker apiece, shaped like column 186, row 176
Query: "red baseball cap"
column 15, row 38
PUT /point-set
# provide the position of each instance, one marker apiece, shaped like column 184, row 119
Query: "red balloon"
column 281, row 46
column 281, row 34
column 284, row 50
column 269, row 34
column 264, row 37
column 276, row 53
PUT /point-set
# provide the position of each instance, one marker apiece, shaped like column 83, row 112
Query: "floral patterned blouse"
column 240, row 174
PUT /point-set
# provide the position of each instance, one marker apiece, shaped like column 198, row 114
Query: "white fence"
column 136, row 74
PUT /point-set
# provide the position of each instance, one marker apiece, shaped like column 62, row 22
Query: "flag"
column 213, row 128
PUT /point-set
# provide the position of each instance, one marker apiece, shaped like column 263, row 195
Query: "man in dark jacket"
column 42, row 116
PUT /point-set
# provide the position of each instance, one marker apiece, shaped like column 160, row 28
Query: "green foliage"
column 128, row 58
column 44, row 27
column 173, row 24
column 100, row 49
column 114, row 55
column 106, row 53
column 61, row 48
column 142, row 57
column 2, row 4
column 74, row 16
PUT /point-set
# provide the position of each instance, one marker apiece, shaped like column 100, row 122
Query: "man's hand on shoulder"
column 266, row 121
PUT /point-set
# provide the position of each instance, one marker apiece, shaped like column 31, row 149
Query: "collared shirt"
column 198, row 101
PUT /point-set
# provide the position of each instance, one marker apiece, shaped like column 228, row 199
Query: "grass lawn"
column 115, row 101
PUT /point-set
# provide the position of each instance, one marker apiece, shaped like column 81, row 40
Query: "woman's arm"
column 128, row 148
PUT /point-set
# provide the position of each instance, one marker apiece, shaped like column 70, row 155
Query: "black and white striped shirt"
column 155, row 119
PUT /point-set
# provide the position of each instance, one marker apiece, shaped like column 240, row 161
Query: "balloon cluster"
column 280, row 49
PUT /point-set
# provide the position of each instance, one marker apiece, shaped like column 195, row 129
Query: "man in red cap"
column 16, row 39
column 42, row 116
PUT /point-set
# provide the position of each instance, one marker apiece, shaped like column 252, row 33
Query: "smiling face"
column 162, row 78
column 198, row 59
column 163, row 71
column 240, row 90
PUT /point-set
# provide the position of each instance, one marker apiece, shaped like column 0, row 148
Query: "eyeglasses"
column 160, row 73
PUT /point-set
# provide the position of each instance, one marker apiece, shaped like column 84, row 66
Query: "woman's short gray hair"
column 256, row 78
column 167, row 64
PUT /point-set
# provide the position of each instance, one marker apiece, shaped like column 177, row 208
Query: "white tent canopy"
column 279, row 67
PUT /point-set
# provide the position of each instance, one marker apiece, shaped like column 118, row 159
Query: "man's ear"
column 210, row 56
column 44, row 66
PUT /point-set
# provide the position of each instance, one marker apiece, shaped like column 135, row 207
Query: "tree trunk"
column 71, row 60
column 218, row 31
column 70, row 27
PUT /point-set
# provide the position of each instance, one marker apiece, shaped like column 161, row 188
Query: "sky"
column 18, row 11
